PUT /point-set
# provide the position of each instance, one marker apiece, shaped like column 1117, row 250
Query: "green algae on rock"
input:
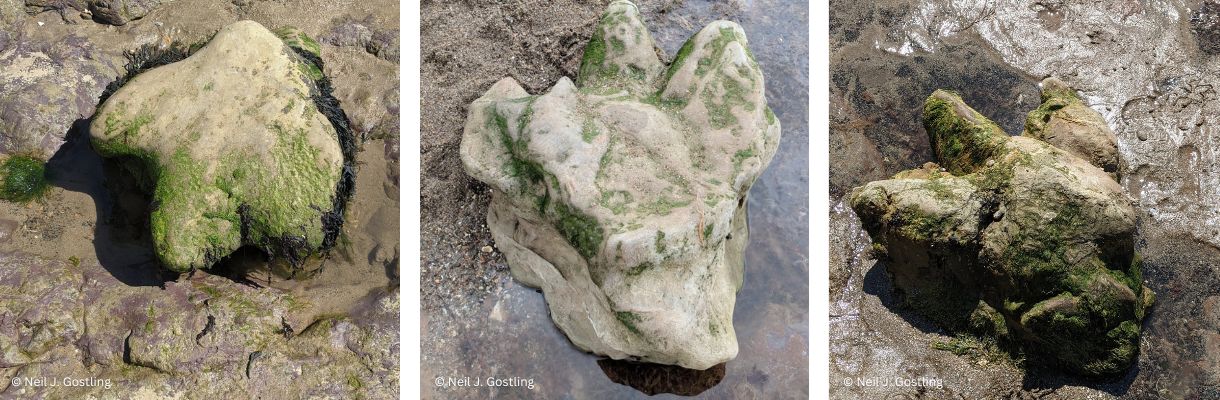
column 236, row 147
column 22, row 178
column 1014, row 240
column 623, row 196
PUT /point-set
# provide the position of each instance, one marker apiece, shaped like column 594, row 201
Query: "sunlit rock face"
column 1013, row 239
column 237, row 149
column 623, row 195
column 1065, row 121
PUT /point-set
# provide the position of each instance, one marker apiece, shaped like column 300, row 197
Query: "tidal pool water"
column 512, row 336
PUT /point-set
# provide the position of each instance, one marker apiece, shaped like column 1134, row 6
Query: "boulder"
column 1014, row 240
column 623, row 196
column 1064, row 121
column 236, row 148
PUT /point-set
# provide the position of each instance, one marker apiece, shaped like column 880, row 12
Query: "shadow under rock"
column 877, row 282
column 121, row 241
column 652, row 379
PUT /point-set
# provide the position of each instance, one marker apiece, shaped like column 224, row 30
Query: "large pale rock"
column 237, row 149
column 1012, row 239
column 623, row 197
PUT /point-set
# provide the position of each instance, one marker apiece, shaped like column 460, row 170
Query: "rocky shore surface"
column 84, row 294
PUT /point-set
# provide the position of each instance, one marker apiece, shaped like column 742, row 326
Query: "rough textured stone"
column 120, row 12
column 1012, row 239
column 1064, row 121
column 48, row 86
column 202, row 337
column 362, row 34
column 113, row 12
column 10, row 13
column 67, row 9
column 238, row 150
column 623, row 196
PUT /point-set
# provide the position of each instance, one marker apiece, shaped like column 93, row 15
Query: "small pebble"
column 486, row 249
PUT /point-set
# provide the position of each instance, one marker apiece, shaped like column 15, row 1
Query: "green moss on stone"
column 720, row 106
column 615, row 200
column 639, row 269
column 591, row 63
column 589, row 131
column 681, row 57
column 296, row 38
column 22, row 179
column 581, row 230
column 658, row 101
column 354, row 382
column 663, row 205
column 310, row 70
column 150, row 324
column 962, row 138
column 629, row 320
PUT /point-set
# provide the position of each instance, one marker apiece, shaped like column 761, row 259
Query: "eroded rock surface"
column 1013, row 239
column 113, row 12
column 237, row 150
column 623, row 196
column 207, row 336
column 48, row 85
